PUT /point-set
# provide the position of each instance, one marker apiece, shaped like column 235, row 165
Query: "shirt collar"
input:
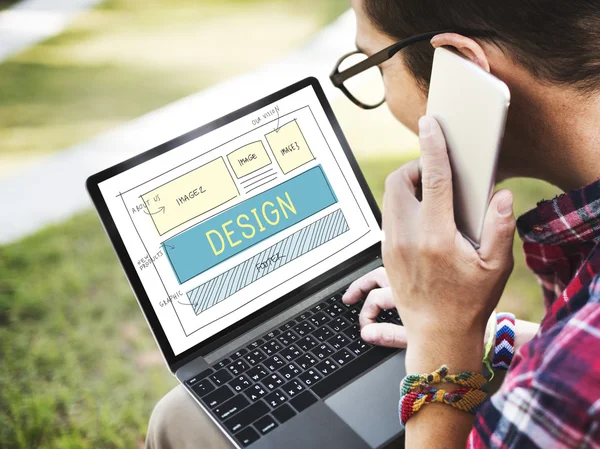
column 572, row 217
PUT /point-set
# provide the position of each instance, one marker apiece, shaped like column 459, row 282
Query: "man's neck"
column 557, row 134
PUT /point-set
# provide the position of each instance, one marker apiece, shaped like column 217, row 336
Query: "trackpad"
column 369, row 405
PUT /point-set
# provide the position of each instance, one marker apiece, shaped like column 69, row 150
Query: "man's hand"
column 443, row 288
column 374, row 286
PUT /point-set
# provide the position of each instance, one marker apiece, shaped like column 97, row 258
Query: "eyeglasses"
column 361, row 78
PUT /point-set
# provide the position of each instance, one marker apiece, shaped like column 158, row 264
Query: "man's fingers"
column 498, row 229
column 377, row 300
column 436, row 176
column 384, row 334
column 360, row 288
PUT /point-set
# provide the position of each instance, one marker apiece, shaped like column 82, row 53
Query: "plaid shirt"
column 550, row 397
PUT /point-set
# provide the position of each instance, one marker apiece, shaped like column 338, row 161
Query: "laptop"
column 239, row 239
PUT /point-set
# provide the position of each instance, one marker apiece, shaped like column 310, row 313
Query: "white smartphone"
column 471, row 106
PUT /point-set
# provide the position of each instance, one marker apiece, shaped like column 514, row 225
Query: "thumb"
column 384, row 334
column 498, row 229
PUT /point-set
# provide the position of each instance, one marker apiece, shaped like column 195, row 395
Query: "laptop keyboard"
column 256, row 389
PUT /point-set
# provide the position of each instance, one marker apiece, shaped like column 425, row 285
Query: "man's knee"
column 178, row 422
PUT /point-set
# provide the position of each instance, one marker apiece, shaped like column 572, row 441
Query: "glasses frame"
column 338, row 78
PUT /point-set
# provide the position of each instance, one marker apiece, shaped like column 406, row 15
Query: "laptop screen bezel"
column 242, row 326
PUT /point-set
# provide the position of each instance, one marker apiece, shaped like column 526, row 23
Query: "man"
column 548, row 53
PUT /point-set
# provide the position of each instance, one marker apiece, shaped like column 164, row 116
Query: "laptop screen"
column 226, row 223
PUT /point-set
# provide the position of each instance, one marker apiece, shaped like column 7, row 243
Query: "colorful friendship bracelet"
column 465, row 399
column 504, row 349
column 416, row 382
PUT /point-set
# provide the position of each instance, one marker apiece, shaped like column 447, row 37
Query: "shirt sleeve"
column 549, row 398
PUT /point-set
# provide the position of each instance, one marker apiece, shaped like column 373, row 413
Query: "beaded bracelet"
column 504, row 349
column 414, row 382
column 465, row 399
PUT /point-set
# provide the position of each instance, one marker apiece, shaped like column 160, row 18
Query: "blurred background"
column 87, row 83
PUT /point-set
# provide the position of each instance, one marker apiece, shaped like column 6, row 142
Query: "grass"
column 121, row 60
column 79, row 366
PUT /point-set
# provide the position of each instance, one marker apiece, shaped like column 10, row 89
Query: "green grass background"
column 78, row 365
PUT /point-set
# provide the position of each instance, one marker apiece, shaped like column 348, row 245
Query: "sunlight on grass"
column 120, row 60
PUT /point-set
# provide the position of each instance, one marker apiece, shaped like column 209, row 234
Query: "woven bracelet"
column 504, row 348
column 465, row 399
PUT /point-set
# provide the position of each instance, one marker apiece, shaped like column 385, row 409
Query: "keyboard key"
column 218, row 396
column 221, row 377
column 304, row 328
column 257, row 373
column 318, row 307
column 290, row 371
column 246, row 416
column 203, row 387
column 271, row 335
column 342, row 357
column 265, row 424
column 345, row 374
column 331, row 299
column 287, row 338
column 276, row 398
column 200, row 376
column 247, row 436
column 306, row 361
column 273, row 381
column 231, row 407
column 222, row 364
column 353, row 332
column 291, row 353
column 304, row 316
column 359, row 347
column 238, row 367
column 339, row 324
column 254, row 357
column 310, row 377
column 274, row 363
column 238, row 354
column 255, row 344
column 303, row 401
column 352, row 315
column 287, row 326
column 338, row 342
column 322, row 351
column 293, row 388
column 307, row 343
column 283, row 413
column 240, row 383
column 322, row 334
column 334, row 310
column 319, row 319
column 271, row 347
column 255, row 392
column 326, row 367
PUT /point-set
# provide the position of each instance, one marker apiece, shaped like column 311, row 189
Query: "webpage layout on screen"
column 229, row 222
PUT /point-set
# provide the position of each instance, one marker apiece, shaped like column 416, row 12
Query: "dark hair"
column 558, row 41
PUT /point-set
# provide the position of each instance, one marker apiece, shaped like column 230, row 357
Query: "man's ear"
column 465, row 45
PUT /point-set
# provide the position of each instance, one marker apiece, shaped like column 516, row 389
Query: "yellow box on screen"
column 248, row 159
column 289, row 147
column 190, row 195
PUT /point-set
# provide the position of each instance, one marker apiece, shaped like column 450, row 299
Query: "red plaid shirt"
column 551, row 395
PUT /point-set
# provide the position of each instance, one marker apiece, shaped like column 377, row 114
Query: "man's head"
column 547, row 51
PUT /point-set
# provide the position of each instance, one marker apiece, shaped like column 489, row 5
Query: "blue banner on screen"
column 248, row 223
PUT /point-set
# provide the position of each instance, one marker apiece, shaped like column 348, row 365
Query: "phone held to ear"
column 471, row 106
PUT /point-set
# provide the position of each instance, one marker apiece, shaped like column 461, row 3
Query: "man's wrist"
column 427, row 353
